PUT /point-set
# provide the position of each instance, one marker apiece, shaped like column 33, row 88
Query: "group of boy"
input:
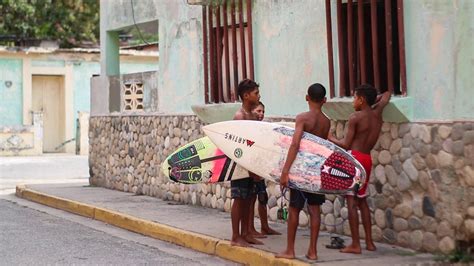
column 363, row 129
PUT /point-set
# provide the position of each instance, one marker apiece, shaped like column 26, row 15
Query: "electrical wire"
column 136, row 26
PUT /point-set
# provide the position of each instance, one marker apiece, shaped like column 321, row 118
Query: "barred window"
column 227, row 49
column 370, row 44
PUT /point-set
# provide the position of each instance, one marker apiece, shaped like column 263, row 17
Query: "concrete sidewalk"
column 45, row 169
column 199, row 228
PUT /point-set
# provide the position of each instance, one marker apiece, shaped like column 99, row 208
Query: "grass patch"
column 456, row 256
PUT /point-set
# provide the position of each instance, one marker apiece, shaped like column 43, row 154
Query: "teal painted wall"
column 291, row 53
column 440, row 55
column 180, row 79
column 82, row 74
column 128, row 68
column 11, row 99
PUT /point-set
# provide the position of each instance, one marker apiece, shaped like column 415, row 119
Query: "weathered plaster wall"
column 440, row 56
column 180, row 77
column 82, row 74
column 22, row 140
column 84, row 66
column 119, row 12
column 290, row 52
column 137, row 67
column 11, row 113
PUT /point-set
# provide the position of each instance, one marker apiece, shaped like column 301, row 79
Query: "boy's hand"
column 284, row 180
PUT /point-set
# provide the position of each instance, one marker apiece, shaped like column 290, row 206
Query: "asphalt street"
column 32, row 234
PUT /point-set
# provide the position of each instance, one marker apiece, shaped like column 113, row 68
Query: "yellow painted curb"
column 195, row 241
column 177, row 236
column 251, row 256
column 56, row 202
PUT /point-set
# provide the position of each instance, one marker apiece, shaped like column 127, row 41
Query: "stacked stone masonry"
column 421, row 186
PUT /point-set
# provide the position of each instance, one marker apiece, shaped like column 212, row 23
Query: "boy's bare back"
column 368, row 125
column 315, row 122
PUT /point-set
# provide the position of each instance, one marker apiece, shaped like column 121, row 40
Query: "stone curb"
column 195, row 241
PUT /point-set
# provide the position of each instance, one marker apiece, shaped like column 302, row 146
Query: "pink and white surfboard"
column 261, row 148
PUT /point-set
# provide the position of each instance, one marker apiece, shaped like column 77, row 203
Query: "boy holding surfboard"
column 241, row 189
column 315, row 122
column 363, row 132
column 261, row 194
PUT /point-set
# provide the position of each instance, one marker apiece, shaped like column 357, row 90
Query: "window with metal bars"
column 228, row 50
column 370, row 46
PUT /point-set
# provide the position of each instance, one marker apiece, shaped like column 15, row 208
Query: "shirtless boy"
column 241, row 189
column 316, row 123
column 363, row 131
column 260, row 194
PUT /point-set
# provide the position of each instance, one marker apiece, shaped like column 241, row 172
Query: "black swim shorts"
column 242, row 188
column 299, row 198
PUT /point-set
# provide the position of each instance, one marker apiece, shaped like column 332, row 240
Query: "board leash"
column 306, row 201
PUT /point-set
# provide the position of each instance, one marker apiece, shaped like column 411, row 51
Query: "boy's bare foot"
column 269, row 231
column 252, row 240
column 257, row 234
column 371, row 246
column 311, row 256
column 351, row 249
column 286, row 255
column 239, row 241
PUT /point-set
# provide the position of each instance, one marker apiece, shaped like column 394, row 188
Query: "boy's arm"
column 382, row 101
column 346, row 142
column 292, row 151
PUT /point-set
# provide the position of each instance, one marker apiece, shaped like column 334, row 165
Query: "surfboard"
column 262, row 147
column 200, row 161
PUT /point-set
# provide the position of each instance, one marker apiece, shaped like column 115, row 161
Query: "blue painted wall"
column 11, row 98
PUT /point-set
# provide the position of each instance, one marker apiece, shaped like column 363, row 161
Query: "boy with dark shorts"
column 362, row 133
column 316, row 123
column 241, row 189
column 260, row 193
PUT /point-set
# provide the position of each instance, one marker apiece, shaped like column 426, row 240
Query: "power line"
column 136, row 26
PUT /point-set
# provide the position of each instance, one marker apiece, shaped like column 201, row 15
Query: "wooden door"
column 48, row 97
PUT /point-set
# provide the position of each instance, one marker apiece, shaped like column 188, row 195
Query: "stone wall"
column 421, row 186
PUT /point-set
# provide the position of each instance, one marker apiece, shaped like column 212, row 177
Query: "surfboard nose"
column 165, row 168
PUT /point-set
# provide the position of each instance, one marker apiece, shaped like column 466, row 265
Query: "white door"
column 48, row 97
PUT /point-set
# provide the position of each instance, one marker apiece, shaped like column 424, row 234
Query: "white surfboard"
column 262, row 147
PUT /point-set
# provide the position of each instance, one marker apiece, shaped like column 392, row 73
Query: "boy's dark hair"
column 260, row 103
column 368, row 92
column 316, row 92
column 246, row 85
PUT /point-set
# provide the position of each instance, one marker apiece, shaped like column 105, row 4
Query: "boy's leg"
column 367, row 223
column 296, row 204
column 237, row 193
column 262, row 212
column 245, row 215
column 262, row 209
column 236, row 213
column 354, row 247
column 251, row 227
column 314, row 203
